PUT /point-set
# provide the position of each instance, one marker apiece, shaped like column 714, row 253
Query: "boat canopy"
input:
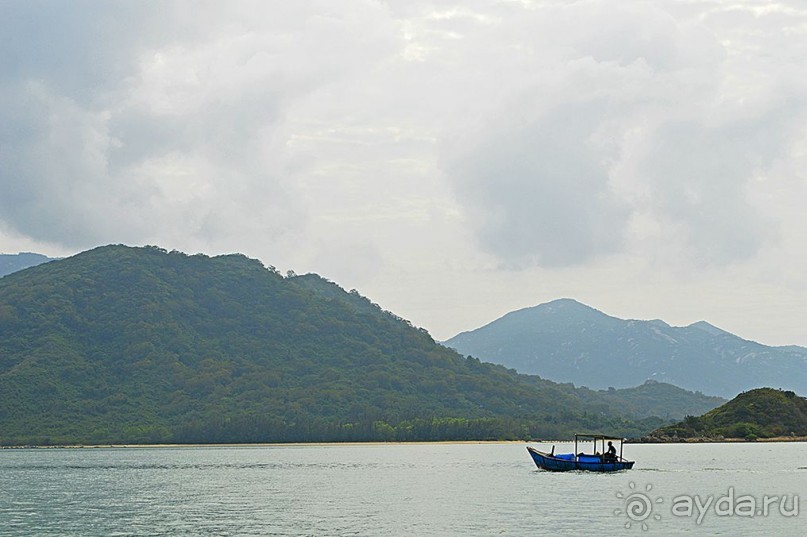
column 597, row 437
column 601, row 438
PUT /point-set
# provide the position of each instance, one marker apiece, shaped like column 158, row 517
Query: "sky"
column 450, row 160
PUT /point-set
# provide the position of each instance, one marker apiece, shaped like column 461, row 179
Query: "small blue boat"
column 596, row 461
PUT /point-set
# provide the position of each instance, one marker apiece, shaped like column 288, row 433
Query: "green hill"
column 658, row 399
column 131, row 345
column 760, row 413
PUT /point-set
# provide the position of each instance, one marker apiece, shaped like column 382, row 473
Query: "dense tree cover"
column 135, row 345
column 760, row 413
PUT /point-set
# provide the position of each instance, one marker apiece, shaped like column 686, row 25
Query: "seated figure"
column 610, row 454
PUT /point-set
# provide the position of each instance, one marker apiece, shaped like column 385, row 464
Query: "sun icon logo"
column 638, row 507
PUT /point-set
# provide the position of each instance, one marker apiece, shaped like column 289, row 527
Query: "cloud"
column 619, row 128
column 539, row 192
column 698, row 178
column 82, row 48
column 142, row 122
column 412, row 149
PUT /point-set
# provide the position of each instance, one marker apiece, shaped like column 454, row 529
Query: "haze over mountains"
column 10, row 263
column 567, row 341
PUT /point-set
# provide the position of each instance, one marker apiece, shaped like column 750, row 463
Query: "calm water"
column 411, row 490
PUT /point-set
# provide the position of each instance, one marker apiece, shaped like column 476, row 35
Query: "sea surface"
column 400, row 490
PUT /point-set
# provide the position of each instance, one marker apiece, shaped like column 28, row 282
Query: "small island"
column 763, row 414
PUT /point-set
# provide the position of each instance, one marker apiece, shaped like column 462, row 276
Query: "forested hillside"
column 123, row 344
column 755, row 414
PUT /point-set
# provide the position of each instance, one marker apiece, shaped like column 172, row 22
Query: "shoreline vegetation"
column 777, row 439
column 268, row 444
column 710, row 440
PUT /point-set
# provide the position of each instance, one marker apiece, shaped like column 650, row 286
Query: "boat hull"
column 547, row 461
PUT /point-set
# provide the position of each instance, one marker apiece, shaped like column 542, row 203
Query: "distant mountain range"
column 130, row 345
column 566, row 341
column 10, row 263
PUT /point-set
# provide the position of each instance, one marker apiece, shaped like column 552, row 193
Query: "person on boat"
column 610, row 454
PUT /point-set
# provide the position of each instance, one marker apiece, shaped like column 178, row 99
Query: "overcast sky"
column 450, row 160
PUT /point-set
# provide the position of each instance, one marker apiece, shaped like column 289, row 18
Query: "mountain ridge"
column 10, row 263
column 566, row 341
